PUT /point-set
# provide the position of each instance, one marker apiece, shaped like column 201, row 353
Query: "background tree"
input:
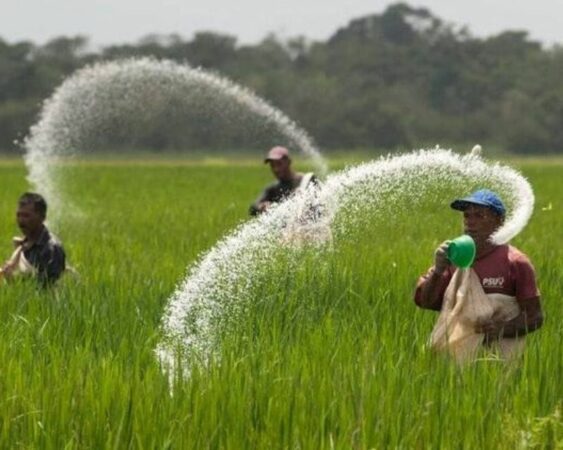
column 400, row 79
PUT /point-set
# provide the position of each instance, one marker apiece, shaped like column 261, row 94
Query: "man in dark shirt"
column 39, row 251
column 288, row 180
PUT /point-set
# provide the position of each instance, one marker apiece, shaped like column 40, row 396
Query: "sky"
column 126, row 21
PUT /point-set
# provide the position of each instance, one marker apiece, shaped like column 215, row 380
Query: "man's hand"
column 529, row 319
column 8, row 269
column 492, row 330
column 488, row 327
column 441, row 261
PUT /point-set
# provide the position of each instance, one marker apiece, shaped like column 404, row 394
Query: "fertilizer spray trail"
column 216, row 289
column 122, row 98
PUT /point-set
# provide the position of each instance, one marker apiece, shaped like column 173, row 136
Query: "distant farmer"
column 38, row 253
column 494, row 303
column 288, row 180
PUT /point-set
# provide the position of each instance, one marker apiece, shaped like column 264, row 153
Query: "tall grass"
column 329, row 353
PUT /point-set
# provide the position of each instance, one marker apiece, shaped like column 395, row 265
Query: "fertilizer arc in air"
column 113, row 95
column 197, row 310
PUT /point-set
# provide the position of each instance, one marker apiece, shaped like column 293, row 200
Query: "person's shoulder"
column 53, row 240
column 517, row 256
column 312, row 177
column 307, row 178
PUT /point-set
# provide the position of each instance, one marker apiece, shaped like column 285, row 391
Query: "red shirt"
column 504, row 270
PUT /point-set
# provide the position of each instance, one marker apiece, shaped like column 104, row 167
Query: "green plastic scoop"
column 461, row 251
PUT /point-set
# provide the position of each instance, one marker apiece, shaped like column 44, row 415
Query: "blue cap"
column 482, row 197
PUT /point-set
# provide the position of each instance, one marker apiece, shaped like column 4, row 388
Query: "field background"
column 330, row 358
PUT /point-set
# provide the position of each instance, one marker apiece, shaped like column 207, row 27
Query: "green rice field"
column 325, row 356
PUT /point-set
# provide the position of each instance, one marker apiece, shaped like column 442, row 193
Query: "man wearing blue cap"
column 501, row 269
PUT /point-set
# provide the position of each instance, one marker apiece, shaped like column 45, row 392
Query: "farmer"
column 500, row 269
column 288, row 180
column 38, row 253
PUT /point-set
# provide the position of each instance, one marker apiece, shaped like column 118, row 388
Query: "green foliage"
column 329, row 353
column 397, row 79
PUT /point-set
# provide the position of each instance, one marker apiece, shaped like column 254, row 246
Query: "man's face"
column 281, row 168
column 480, row 222
column 29, row 220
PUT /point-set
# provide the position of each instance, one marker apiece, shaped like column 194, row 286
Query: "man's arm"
column 261, row 204
column 11, row 264
column 431, row 287
column 529, row 319
column 430, row 291
column 528, row 298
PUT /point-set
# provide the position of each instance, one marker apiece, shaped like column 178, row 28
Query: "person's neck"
column 289, row 177
column 484, row 248
column 34, row 235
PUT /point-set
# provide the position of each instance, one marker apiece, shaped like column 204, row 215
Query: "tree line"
column 400, row 79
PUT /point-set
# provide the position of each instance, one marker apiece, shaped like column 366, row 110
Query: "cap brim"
column 462, row 203
column 267, row 160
